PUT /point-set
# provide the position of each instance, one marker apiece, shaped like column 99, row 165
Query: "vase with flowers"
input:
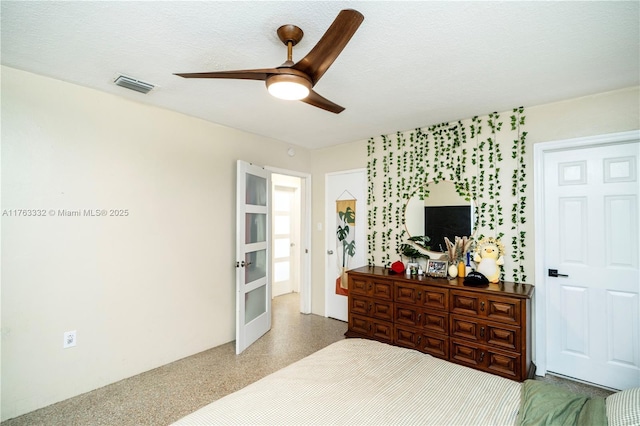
column 457, row 251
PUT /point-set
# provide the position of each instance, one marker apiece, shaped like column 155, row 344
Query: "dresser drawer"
column 493, row 334
column 406, row 336
column 371, row 327
column 426, row 296
column 382, row 309
column 359, row 304
column 435, row 298
column 382, row 289
column 433, row 344
column 488, row 359
column 369, row 306
column 406, row 293
column 378, row 288
column 495, row 308
column 433, row 321
column 407, row 315
column 358, row 285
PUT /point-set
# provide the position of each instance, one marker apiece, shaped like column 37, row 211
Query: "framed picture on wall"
column 437, row 268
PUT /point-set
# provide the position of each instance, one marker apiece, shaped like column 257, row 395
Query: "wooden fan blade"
column 259, row 74
column 320, row 58
column 318, row 101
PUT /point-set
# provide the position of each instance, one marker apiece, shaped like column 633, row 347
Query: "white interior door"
column 342, row 186
column 253, row 254
column 591, row 261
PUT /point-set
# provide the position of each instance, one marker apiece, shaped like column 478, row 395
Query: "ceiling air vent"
column 133, row 84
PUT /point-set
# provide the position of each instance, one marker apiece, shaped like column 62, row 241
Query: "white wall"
column 141, row 290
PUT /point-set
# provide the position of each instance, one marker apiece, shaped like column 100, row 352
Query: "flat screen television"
column 446, row 221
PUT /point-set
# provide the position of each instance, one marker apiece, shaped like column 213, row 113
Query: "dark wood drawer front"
column 465, row 354
column 407, row 315
column 465, row 329
column 434, row 298
column 406, row 337
column 382, row 331
column 406, row 293
column 434, row 345
column 360, row 324
column 379, row 330
column 359, row 305
column 428, row 297
column 506, row 365
column 502, row 336
column 483, row 358
column 500, row 309
column 358, row 285
column 504, row 310
column 465, row 304
column 382, row 289
column 382, row 310
column 437, row 322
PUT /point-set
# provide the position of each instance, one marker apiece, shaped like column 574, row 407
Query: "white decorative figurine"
column 489, row 257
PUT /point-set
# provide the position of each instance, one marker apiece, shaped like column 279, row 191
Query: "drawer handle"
column 419, row 316
column 419, row 339
column 370, row 306
column 482, row 306
column 419, row 295
column 481, row 356
column 481, row 331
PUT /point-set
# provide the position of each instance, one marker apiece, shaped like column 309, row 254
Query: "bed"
column 358, row 381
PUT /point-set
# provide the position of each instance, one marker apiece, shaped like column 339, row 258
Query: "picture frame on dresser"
column 437, row 268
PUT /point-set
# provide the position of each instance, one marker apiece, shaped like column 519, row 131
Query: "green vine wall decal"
column 518, row 190
column 470, row 154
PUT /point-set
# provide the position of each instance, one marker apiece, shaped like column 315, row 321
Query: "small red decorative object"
column 397, row 267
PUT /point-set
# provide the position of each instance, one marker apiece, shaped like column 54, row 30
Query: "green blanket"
column 545, row 404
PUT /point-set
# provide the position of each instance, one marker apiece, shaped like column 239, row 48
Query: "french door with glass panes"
column 253, row 254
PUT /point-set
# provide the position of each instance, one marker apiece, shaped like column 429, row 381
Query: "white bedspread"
column 356, row 381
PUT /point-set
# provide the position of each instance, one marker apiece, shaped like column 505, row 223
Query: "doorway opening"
column 291, row 224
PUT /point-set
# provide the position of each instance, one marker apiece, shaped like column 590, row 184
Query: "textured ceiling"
column 409, row 65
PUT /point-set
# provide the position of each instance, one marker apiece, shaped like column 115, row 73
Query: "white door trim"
column 539, row 300
column 305, row 236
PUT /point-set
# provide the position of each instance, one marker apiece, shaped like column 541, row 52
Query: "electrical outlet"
column 69, row 339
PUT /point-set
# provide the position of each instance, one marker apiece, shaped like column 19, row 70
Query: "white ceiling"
column 411, row 64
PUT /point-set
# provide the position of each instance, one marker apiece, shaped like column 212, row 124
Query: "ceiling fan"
column 295, row 81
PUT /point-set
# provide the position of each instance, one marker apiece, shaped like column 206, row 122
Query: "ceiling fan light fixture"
column 288, row 87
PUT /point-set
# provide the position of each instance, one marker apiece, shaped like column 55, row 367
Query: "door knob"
column 554, row 273
column 329, row 251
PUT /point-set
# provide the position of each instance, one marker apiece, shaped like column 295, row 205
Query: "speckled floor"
column 575, row 386
column 166, row 394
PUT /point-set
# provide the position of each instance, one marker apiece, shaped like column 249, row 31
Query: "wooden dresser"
column 487, row 328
